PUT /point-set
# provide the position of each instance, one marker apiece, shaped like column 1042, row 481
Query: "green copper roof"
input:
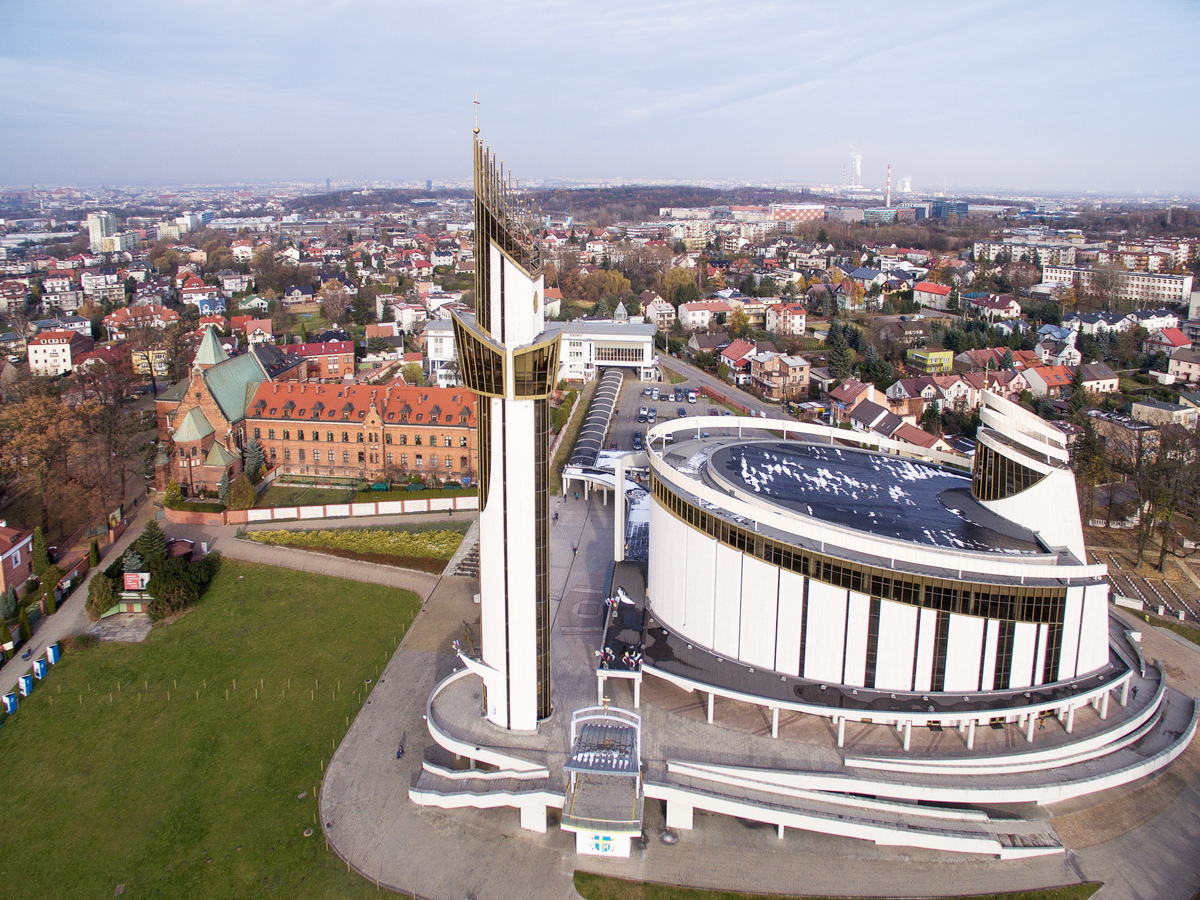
column 229, row 382
column 219, row 456
column 194, row 427
column 211, row 352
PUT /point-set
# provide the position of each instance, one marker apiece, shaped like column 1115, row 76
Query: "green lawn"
column 176, row 766
column 599, row 887
column 299, row 495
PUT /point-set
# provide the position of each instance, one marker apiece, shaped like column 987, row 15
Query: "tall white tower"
column 100, row 225
column 507, row 361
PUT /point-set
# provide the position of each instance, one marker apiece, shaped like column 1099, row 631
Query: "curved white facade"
column 760, row 583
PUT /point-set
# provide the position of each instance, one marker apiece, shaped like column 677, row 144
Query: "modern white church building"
column 922, row 636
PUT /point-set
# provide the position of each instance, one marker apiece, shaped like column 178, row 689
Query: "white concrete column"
column 971, row 735
column 679, row 815
column 533, row 817
column 1029, row 728
column 907, row 734
column 775, row 724
column 1125, row 691
column 1104, row 704
column 711, row 700
column 600, row 680
column 842, row 731
column 1070, row 719
column 637, row 693
column 619, row 509
column 779, row 831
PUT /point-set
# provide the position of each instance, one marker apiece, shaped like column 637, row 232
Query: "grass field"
column 598, row 887
column 187, row 766
column 299, row 495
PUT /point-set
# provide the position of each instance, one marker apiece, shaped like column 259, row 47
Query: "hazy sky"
column 1046, row 94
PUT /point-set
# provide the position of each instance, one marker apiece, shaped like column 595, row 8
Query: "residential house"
column 1049, row 381
column 56, row 352
column 846, row 396
column 1185, row 365
column 1158, row 412
column 16, row 560
column 1097, row 323
column 787, row 318
column 298, row 295
column 992, row 308
column 911, row 434
column 1098, row 378
column 1166, row 340
column 931, row 360
column 869, row 416
column 1153, row 319
column 660, row 314
column 121, row 322
column 702, row 313
column 707, row 343
column 364, row 431
column 327, row 360
column 1056, row 349
column 935, row 296
column 780, row 377
column 233, row 282
column 903, row 331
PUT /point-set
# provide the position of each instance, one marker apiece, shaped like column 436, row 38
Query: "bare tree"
column 335, row 300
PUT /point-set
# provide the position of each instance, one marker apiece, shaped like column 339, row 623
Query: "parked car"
column 652, row 415
column 681, row 412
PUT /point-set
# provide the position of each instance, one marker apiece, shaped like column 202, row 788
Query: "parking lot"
column 634, row 396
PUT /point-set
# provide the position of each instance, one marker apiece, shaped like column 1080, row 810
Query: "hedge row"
column 439, row 544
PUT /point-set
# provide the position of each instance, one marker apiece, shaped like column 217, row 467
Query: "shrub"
column 93, row 555
column 83, row 641
column 50, row 579
column 8, row 605
column 102, row 595
column 241, row 493
column 435, row 544
column 41, row 556
column 174, row 494
column 24, row 631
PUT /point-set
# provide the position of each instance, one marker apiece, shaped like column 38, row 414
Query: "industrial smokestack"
column 888, row 200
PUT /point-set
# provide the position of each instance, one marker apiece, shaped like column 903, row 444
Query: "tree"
column 42, row 443
column 241, row 493
column 41, row 555
column 412, row 373
column 152, row 544
column 723, row 372
column 223, row 488
column 173, row 495
column 931, row 419
column 132, row 561
column 256, row 461
column 8, row 607
column 679, row 286
column 24, row 632
column 1007, row 361
column 334, row 300
column 101, row 596
column 378, row 345
column 739, row 324
column 49, row 582
column 841, row 365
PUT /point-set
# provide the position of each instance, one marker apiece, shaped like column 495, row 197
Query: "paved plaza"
column 1140, row 839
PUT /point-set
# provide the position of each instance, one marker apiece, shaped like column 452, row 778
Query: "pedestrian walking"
column 574, row 550
column 577, row 495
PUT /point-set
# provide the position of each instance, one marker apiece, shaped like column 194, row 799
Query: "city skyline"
column 1006, row 95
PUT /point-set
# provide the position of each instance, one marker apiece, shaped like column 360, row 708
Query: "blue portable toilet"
column 53, row 654
column 10, row 702
column 39, row 669
column 25, row 684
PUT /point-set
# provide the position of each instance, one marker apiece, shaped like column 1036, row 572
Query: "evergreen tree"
column 50, row 579
column 152, row 545
column 256, row 460
column 840, row 363
column 223, row 488
column 41, row 555
column 23, row 629
column 174, row 494
column 93, row 555
column 101, row 596
column 1007, row 361
column 241, row 493
column 132, row 561
column 8, row 605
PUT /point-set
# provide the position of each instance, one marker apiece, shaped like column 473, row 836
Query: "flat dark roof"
column 888, row 496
